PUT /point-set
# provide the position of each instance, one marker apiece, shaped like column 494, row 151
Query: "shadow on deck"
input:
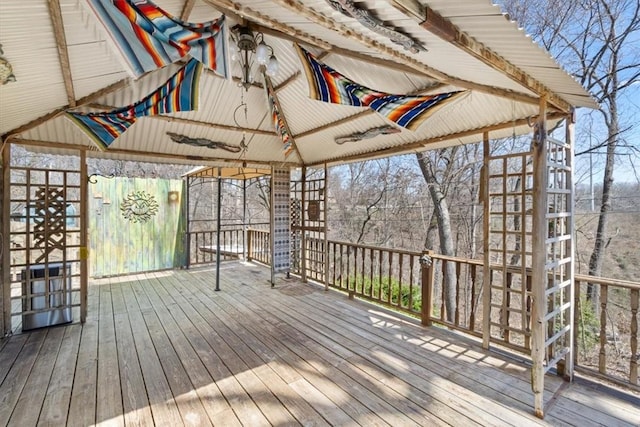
column 166, row 349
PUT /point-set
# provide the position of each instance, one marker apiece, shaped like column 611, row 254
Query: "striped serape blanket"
column 278, row 122
column 179, row 93
column 150, row 38
column 328, row 85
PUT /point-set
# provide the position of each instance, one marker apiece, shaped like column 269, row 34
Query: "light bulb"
column 272, row 66
column 262, row 53
column 233, row 52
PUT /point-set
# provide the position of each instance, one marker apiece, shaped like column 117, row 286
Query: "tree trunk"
column 597, row 256
column 441, row 211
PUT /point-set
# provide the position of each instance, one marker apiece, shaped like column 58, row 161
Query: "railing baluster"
column 602, row 360
column 472, row 314
column 457, row 311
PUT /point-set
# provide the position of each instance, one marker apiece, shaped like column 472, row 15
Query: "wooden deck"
column 165, row 349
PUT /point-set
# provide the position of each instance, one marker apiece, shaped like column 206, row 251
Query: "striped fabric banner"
column 179, row 93
column 279, row 123
column 150, row 38
column 328, row 85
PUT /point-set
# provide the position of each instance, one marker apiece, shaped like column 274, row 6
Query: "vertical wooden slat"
column 410, row 303
column 633, row 340
column 84, row 239
column 602, row 357
column 457, row 310
column 400, row 260
column 390, row 277
column 472, row 315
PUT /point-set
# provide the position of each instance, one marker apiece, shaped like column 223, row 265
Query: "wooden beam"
column 146, row 155
column 55, row 13
column 287, row 81
column 5, row 260
column 435, row 23
column 330, row 49
column 539, row 235
column 213, row 125
column 422, row 144
column 276, row 101
column 186, row 9
column 82, row 101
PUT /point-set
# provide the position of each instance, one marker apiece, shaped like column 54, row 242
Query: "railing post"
column 633, row 363
column 602, row 357
column 249, row 249
column 428, row 276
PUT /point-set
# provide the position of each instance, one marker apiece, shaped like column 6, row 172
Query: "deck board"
column 165, row 348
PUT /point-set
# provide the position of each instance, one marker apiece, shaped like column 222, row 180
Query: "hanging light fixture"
column 250, row 51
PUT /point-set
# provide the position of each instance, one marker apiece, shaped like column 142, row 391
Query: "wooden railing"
column 412, row 282
column 258, row 246
column 389, row 277
column 606, row 327
column 202, row 245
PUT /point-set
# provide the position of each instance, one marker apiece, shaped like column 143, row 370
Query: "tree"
column 597, row 41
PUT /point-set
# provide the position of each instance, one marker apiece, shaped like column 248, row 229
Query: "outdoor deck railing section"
column 606, row 326
column 202, row 245
column 605, row 332
column 258, row 246
column 389, row 277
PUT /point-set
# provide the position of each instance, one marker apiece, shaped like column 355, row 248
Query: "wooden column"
column 5, row 284
column 325, row 197
column 84, row 238
column 428, row 279
column 570, row 140
column 486, row 223
column 303, row 226
column 539, row 258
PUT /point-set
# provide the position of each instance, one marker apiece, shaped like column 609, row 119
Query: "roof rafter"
column 186, row 9
column 55, row 13
column 423, row 144
column 435, row 23
column 276, row 101
column 82, row 101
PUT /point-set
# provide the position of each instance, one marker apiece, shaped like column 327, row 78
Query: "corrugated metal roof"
column 96, row 64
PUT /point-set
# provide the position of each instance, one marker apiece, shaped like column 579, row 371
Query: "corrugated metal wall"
column 118, row 245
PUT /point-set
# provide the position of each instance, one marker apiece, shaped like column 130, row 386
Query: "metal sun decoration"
column 139, row 206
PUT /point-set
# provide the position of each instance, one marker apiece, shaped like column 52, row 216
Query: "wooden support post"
column 303, row 226
column 539, row 259
column 325, row 197
column 84, row 238
column 428, row 279
column 218, row 228
column 633, row 362
column 486, row 223
column 5, row 284
column 570, row 140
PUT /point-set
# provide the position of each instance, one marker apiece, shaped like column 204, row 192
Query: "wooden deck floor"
column 165, row 349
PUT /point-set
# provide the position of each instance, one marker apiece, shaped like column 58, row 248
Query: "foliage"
column 380, row 288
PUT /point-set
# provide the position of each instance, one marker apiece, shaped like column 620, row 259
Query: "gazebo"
column 277, row 85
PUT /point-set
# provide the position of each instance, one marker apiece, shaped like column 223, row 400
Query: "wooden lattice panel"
column 49, row 222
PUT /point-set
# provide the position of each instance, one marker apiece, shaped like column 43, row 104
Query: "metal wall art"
column 348, row 8
column 139, row 206
column 6, row 70
column 203, row 142
column 369, row 133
